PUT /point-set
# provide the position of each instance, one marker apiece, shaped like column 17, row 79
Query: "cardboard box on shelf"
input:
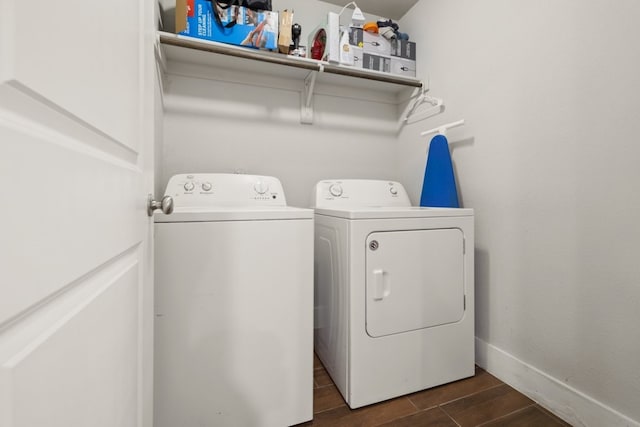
column 357, row 57
column 370, row 42
column 403, row 49
column 355, row 37
column 285, row 36
column 234, row 25
column 403, row 67
column 376, row 62
column 376, row 44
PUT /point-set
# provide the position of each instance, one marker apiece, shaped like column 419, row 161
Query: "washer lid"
column 394, row 212
column 231, row 213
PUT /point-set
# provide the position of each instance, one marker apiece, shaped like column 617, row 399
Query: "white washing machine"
column 233, row 305
column 394, row 290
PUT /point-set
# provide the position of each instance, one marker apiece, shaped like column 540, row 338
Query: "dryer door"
column 415, row 280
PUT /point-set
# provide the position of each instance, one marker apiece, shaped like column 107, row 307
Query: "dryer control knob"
column 261, row 187
column 335, row 190
column 393, row 190
column 189, row 186
column 206, row 186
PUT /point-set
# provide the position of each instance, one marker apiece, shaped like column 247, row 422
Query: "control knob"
column 189, row 186
column 335, row 190
column 261, row 187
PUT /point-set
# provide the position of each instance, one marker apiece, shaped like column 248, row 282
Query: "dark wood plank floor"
column 482, row 400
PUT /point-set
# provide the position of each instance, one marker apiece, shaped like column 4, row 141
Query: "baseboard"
column 571, row 405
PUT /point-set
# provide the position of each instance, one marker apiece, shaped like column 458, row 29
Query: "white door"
column 415, row 280
column 76, row 131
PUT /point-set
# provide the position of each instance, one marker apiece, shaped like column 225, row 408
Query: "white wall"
column 549, row 161
column 268, row 139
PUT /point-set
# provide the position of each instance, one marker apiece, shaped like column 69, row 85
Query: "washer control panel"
column 359, row 193
column 225, row 189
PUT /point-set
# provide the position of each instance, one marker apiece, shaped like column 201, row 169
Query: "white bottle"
column 346, row 51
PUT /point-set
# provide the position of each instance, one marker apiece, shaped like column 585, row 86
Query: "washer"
column 233, row 305
column 394, row 290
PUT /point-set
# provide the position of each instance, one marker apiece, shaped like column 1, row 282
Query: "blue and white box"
column 235, row 24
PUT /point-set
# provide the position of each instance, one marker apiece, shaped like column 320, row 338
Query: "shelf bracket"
column 306, row 101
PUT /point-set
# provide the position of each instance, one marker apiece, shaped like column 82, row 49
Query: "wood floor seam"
column 449, row 416
column 414, row 405
column 507, row 415
column 327, row 409
column 399, row 417
column 325, row 386
column 470, row 394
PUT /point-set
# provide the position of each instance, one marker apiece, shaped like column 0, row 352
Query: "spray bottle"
column 346, row 51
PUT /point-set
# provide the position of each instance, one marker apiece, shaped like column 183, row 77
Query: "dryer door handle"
column 381, row 287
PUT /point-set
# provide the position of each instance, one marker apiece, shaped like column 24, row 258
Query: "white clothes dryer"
column 394, row 290
column 233, row 305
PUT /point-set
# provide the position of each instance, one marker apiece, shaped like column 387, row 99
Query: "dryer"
column 233, row 305
column 394, row 290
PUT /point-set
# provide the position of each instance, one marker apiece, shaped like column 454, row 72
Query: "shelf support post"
column 306, row 101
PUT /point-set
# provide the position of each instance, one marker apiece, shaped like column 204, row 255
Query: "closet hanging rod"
column 442, row 130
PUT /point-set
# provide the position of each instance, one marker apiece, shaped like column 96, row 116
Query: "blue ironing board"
column 439, row 185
